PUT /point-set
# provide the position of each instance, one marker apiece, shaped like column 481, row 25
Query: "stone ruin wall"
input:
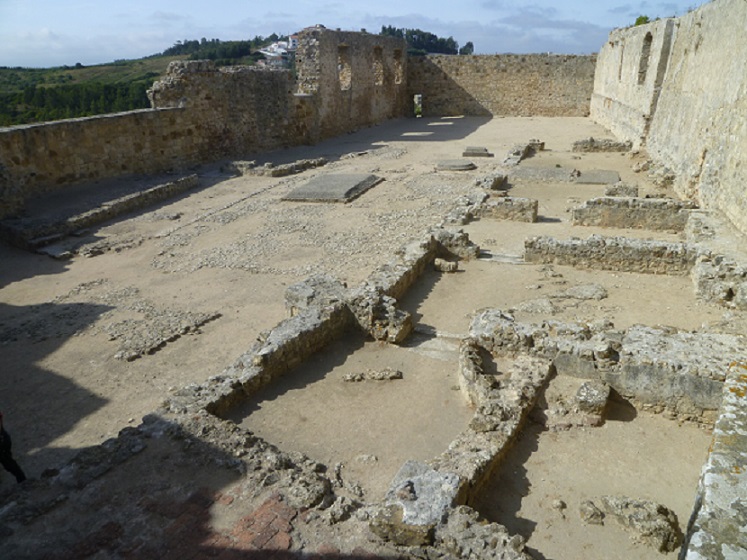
column 546, row 85
column 202, row 113
column 697, row 121
column 355, row 79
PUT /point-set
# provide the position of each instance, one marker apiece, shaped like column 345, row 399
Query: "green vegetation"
column 468, row 48
column 224, row 53
column 422, row 42
column 40, row 94
column 642, row 20
column 30, row 95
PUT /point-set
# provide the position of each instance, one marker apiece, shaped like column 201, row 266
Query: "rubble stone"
column 601, row 145
column 652, row 524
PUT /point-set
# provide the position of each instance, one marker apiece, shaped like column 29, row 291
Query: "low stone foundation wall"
column 677, row 372
column 717, row 526
column 658, row 214
column 721, row 280
column 322, row 310
column 32, row 233
column 509, row 208
column 613, row 253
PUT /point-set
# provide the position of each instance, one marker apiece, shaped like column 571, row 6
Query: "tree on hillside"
column 642, row 20
column 468, row 48
column 422, row 42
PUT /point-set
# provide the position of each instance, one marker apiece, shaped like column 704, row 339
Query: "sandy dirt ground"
column 228, row 252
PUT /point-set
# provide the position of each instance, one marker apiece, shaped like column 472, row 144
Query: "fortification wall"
column 629, row 76
column 42, row 157
column 355, row 79
column 503, row 85
column 699, row 129
column 697, row 100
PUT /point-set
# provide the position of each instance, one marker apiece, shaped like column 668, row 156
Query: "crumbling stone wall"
column 613, row 253
column 42, row 157
column 202, row 113
column 662, row 214
column 354, row 79
column 503, row 85
column 698, row 130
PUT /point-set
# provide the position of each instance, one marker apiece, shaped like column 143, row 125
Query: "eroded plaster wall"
column 503, row 85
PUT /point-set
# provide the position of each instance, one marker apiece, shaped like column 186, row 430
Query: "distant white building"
column 280, row 52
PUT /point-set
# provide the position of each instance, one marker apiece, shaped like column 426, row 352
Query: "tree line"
column 224, row 53
column 421, row 42
column 37, row 104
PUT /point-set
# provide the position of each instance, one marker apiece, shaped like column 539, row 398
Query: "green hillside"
column 29, row 95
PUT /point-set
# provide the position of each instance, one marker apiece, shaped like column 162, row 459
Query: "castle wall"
column 503, row 85
column 42, row 157
column 629, row 75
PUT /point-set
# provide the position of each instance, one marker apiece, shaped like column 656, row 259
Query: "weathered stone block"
column 652, row 524
column 510, row 208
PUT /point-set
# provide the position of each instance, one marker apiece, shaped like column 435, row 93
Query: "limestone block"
column 442, row 265
column 621, row 189
column 320, row 290
column 510, row 208
column 493, row 182
column 419, row 498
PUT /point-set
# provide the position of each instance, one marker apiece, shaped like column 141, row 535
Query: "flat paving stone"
column 455, row 165
column 598, row 177
column 341, row 187
column 541, row 173
column 476, row 151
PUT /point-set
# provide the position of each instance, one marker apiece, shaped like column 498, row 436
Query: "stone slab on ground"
column 339, row 187
column 476, row 151
column 598, row 177
column 533, row 173
column 455, row 165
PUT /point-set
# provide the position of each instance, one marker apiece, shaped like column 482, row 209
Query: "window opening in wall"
column 343, row 67
column 378, row 66
column 645, row 55
column 398, row 69
column 417, row 102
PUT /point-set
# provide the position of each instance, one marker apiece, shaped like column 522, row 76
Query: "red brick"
column 280, row 541
column 281, row 525
column 264, row 536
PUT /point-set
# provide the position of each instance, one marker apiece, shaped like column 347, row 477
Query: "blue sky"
column 41, row 33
